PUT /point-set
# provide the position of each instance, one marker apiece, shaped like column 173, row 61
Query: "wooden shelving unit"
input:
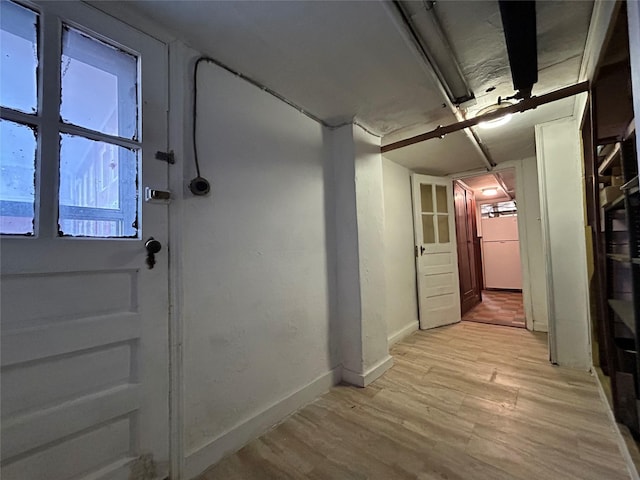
column 613, row 216
column 621, row 232
column 624, row 310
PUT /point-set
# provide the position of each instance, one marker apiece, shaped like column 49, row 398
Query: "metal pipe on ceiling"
column 415, row 38
column 433, row 39
column 523, row 106
column 503, row 186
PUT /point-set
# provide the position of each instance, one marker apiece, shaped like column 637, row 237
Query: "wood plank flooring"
column 468, row 401
column 498, row 307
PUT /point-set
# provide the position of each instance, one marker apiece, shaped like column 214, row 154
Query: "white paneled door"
column 85, row 384
column 436, row 252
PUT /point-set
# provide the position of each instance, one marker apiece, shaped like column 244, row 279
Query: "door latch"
column 168, row 157
column 156, row 196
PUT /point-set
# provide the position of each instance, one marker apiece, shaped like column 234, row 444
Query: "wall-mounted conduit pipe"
column 199, row 185
column 503, row 186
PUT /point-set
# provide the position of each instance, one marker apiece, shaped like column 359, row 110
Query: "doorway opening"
column 488, row 244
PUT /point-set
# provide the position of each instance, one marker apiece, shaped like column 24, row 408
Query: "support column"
column 562, row 213
column 361, row 287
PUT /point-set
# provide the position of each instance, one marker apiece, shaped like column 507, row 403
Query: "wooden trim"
column 469, row 247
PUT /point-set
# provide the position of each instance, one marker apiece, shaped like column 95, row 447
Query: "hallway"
column 498, row 308
column 468, row 401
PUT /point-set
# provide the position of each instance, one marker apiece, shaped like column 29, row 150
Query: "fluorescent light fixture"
column 489, row 192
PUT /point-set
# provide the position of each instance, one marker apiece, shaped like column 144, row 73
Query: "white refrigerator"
column 501, row 253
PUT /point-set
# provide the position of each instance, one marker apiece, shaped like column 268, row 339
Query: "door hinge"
column 168, row 157
column 415, row 251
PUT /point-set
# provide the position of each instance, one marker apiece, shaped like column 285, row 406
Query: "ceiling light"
column 498, row 121
column 489, row 192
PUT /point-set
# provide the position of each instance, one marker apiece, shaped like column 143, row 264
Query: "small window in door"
column 17, row 187
column 499, row 209
column 18, row 134
column 95, row 115
column 19, row 59
column 98, row 194
column 434, row 213
column 442, row 207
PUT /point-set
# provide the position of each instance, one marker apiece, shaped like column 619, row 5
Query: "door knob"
column 153, row 246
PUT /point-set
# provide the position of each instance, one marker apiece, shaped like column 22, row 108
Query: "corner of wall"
column 371, row 374
column 561, row 198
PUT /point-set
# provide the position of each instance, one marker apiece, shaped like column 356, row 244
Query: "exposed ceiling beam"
column 519, row 25
column 523, row 106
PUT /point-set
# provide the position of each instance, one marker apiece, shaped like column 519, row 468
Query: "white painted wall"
column 360, row 252
column 529, row 222
column 348, row 308
column 564, row 249
column 371, row 250
column 258, row 268
column 402, row 307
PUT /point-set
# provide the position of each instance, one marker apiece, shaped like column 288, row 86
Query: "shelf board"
column 617, row 203
column 619, row 258
column 631, row 186
column 631, row 128
column 624, row 310
column 609, row 159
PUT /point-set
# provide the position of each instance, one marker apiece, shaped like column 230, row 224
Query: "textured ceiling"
column 337, row 60
column 474, row 30
column 354, row 60
column 477, row 184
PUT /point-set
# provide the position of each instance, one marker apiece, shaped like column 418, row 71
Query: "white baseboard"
column 404, row 332
column 235, row 438
column 364, row 379
column 622, row 445
column 540, row 327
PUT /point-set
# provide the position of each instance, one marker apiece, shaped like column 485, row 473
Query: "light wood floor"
column 498, row 308
column 469, row 402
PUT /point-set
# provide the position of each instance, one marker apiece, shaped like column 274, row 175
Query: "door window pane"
column 99, row 85
column 428, row 231
column 443, row 228
column 98, row 193
column 426, row 198
column 17, row 177
column 441, row 199
column 18, row 58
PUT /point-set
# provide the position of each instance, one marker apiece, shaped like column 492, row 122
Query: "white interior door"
column 436, row 252
column 84, row 322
